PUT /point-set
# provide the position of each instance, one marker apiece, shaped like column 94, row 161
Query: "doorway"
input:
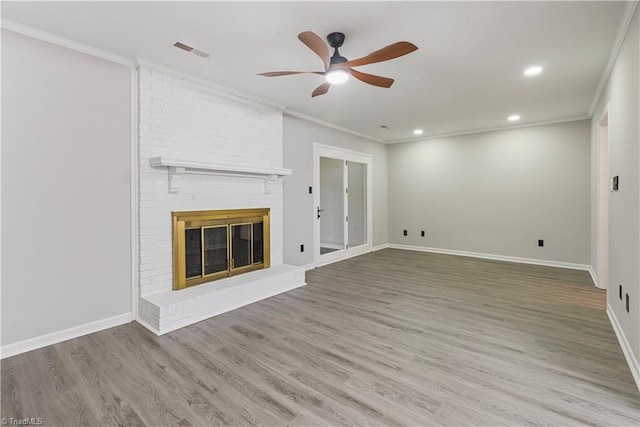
column 603, row 201
column 342, row 203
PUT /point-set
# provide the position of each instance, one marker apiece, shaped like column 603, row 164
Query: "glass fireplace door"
column 241, row 243
column 211, row 245
column 215, row 249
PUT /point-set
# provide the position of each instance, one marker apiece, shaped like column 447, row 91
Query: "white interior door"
column 342, row 209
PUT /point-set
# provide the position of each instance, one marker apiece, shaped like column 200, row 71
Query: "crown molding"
column 227, row 92
column 64, row 42
column 625, row 23
column 215, row 88
column 493, row 129
column 332, row 126
column 230, row 93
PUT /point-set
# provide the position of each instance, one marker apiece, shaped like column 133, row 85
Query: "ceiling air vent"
column 188, row 48
column 183, row 46
column 200, row 53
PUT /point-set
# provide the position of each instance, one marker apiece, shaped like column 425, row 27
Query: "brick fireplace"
column 202, row 150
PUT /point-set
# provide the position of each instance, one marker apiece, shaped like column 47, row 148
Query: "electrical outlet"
column 422, row 233
column 541, row 243
column 301, row 248
column 626, row 303
column 615, row 183
column 620, row 292
column 404, row 233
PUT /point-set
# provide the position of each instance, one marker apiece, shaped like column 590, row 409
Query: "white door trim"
column 329, row 151
column 135, row 289
column 602, row 221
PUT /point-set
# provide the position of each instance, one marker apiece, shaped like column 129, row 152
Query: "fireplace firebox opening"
column 211, row 245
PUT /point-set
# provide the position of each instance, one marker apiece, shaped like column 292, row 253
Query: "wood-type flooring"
column 393, row 337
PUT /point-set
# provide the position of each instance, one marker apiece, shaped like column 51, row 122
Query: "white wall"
column 495, row 193
column 66, row 258
column 299, row 210
column 183, row 118
column 622, row 94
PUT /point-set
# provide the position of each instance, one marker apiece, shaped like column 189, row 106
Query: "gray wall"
column 495, row 192
column 622, row 92
column 65, row 189
column 299, row 136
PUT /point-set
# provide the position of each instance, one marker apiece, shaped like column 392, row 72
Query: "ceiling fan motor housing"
column 335, row 41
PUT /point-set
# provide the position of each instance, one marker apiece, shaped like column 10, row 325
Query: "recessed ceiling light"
column 514, row 118
column 532, row 71
column 418, row 132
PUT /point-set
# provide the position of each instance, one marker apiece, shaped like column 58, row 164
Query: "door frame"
column 603, row 185
column 330, row 151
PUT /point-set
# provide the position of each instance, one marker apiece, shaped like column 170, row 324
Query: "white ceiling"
column 466, row 75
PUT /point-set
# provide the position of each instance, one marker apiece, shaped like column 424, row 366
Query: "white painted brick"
column 166, row 311
column 184, row 119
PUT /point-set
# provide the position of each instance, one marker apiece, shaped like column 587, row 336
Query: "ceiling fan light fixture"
column 532, row 71
column 337, row 68
column 336, row 77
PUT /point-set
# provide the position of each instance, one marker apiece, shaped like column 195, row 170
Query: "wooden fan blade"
column 316, row 44
column 288, row 73
column 321, row 90
column 392, row 51
column 372, row 79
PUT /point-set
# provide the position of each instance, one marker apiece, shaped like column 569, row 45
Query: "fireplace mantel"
column 179, row 167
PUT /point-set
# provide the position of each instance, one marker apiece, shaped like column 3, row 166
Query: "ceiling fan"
column 337, row 68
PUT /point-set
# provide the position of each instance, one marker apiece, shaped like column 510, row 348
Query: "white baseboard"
column 349, row 253
column 507, row 258
column 147, row 325
column 380, row 247
column 632, row 360
column 594, row 276
column 309, row 266
column 64, row 335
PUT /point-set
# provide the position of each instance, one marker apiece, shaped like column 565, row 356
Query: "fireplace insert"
column 211, row 245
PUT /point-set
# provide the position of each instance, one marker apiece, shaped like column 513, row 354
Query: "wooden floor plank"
column 388, row 338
